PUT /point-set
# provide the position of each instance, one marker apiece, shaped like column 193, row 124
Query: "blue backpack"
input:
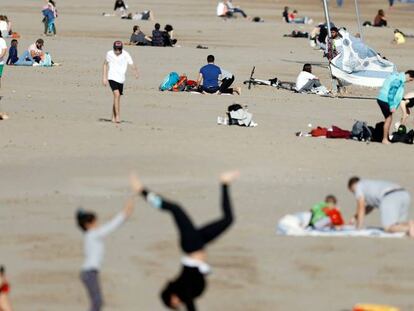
column 169, row 81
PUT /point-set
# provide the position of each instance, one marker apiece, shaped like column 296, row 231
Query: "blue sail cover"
column 358, row 64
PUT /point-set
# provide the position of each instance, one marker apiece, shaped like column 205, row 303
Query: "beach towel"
column 358, row 64
column 295, row 225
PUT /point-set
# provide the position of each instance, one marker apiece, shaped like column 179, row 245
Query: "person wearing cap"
column 114, row 71
column 33, row 55
column 391, row 199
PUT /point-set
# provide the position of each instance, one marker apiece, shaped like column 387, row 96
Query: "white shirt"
column 118, row 65
column 226, row 74
column 303, row 78
column 221, row 9
column 3, row 26
column 94, row 247
column 3, row 46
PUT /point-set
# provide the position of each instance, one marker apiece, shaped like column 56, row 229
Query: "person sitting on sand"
column 34, row 54
column 294, row 19
column 168, row 36
column 326, row 214
column 233, row 9
column 93, row 247
column 13, row 54
column 391, row 199
column 138, row 37
column 223, row 11
column 208, row 80
column 380, row 20
column 390, row 97
column 5, row 26
column 306, row 81
column 5, row 304
column 406, row 104
column 120, row 7
column 157, row 36
column 399, row 37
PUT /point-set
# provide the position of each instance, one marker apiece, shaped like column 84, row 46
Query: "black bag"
column 406, row 138
column 360, row 131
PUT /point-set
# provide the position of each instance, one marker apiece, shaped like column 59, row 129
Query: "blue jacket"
column 13, row 58
column 392, row 91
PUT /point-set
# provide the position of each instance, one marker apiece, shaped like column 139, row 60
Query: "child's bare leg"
column 116, row 107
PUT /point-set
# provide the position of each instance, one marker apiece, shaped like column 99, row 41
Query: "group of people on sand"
column 159, row 38
column 392, row 201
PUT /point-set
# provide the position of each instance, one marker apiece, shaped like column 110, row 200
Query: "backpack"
column 406, row 138
column 360, row 131
column 180, row 86
column 169, row 81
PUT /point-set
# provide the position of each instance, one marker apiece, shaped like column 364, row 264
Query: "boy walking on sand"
column 114, row 70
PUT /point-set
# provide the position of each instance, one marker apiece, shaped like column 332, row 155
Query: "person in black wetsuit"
column 191, row 282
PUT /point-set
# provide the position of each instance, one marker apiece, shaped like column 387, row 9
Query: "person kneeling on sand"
column 227, row 79
column 392, row 200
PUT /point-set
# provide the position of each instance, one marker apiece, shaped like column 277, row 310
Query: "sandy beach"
column 58, row 155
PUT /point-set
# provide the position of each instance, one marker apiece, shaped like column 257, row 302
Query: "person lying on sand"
column 143, row 16
column 234, row 9
column 391, row 199
column 5, row 304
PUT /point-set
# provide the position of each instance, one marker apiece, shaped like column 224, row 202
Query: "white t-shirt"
column 373, row 191
column 3, row 46
column 118, row 65
column 3, row 26
column 226, row 74
column 33, row 48
column 221, row 9
column 303, row 78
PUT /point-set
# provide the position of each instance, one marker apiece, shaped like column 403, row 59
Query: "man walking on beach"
column 390, row 97
column 114, row 70
column 392, row 200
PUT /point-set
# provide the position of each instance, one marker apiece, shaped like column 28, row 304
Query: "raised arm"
column 118, row 220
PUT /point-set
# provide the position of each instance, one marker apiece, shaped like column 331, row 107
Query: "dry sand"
column 56, row 155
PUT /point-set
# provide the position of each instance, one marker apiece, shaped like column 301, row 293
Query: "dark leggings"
column 193, row 239
column 225, row 86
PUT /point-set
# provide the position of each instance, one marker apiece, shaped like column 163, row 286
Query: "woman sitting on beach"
column 168, row 36
column 138, row 37
column 120, row 7
column 380, row 20
column 191, row 282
